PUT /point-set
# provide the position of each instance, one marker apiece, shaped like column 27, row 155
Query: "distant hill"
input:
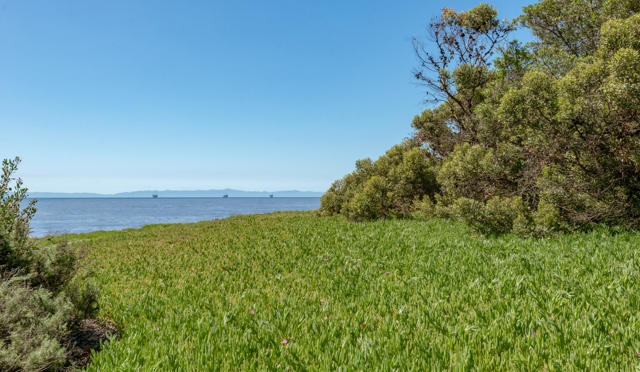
column 182, row 194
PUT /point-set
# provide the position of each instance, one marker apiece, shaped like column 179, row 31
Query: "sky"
column 123, row 95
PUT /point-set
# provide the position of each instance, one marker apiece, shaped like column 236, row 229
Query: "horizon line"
column 175, row 190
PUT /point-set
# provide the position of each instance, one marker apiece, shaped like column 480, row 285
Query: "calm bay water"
column 58, row 216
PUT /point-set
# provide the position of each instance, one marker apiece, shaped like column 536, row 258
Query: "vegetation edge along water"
column 294, row 291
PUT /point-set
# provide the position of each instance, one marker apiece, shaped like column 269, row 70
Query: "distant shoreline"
column 213, row 193
column 170, row 197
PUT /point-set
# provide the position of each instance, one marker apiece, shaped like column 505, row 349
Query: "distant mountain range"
column 181, row 194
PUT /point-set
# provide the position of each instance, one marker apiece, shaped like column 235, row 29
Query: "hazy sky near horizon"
column 121, row 95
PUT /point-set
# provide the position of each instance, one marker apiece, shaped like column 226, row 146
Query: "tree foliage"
column 384, row 188
column 531, row 138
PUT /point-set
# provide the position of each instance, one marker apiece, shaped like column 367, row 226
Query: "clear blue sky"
column 121, row 95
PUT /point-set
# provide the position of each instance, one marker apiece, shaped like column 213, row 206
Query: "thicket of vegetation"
column 527, row 138
column 39, row 300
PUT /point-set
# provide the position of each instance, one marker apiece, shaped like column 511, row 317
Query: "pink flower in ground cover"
column 284, row 342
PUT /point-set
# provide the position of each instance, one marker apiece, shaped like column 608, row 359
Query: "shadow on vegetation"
column 87, row 336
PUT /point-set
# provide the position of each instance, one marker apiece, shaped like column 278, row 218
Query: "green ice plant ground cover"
column 294, row 291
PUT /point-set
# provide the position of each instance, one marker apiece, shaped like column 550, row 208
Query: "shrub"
column 469, row 172
column 497, row 216
column 423, row 208
column 38, row 301
column 412, row 177
column 14, row 220
column 394, row 180
column 547, row 218
column 334, row 201
column 371, row 202
column 32, row 323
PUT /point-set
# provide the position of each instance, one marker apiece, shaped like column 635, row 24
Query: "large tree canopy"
column 529, row 138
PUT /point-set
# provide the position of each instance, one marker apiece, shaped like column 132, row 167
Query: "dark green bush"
column 39, row 302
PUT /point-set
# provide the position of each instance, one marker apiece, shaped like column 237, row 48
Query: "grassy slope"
column 183, row 294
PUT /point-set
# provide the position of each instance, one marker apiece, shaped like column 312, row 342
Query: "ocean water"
column 59, row 216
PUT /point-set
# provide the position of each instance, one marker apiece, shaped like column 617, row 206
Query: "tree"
column 455, row 74
column 529, row 138
column 573, row 26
